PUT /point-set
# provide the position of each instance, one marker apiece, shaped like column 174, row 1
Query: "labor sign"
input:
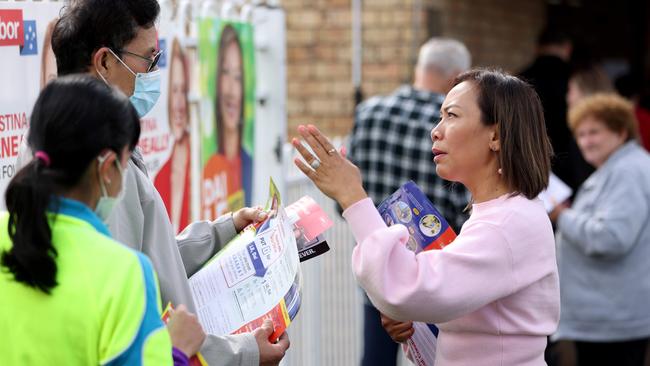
column 11, row 27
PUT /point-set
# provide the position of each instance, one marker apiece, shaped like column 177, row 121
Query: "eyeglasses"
column 152, row 62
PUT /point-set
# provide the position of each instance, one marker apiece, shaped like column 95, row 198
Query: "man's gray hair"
column 447, row 55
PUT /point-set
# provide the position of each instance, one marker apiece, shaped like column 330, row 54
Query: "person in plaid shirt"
column 391, row 144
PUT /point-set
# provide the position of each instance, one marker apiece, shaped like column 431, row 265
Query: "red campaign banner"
column 11, row 27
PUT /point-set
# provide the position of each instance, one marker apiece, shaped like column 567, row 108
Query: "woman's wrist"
column 351, row 197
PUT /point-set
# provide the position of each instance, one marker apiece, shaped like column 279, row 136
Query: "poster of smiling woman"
column 227, row 93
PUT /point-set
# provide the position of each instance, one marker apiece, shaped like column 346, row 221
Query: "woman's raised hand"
column 332, row 173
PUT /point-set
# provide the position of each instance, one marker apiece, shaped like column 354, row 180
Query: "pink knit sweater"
column 493, row 292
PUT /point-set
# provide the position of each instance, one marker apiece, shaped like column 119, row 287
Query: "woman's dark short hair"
column 515, row 108
column 88, row 25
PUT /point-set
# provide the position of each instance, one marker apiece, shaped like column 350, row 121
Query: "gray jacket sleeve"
column 611, row 223
column 200, row 240
column 141, row 221
column 197, row 244
column 240, row 349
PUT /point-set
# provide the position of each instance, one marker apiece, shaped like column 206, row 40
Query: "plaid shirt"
column 391, row 144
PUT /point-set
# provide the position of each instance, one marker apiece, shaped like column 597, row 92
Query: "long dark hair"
column 74, row 119
column 228, row 36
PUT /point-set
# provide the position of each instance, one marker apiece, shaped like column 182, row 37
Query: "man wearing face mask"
column 116, row 41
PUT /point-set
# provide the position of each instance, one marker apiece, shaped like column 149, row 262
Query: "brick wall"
column 319, row 47
column 497, row 32
column 319, row 64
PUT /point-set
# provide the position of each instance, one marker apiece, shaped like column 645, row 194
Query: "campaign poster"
column 27, row 63
column 227, row 103
column 166, row 141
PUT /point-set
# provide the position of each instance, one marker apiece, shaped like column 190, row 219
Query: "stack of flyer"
column 428, row 230
column 309, row 222
column 257, row 275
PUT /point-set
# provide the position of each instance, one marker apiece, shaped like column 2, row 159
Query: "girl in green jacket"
column 70, row 295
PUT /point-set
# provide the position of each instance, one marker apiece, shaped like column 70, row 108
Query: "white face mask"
column 106, row 203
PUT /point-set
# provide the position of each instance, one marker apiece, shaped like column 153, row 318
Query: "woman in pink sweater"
column 494, row 291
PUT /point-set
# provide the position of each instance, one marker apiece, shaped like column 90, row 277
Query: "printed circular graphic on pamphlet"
column 389, row 220
column 402, row 211
column 430, row 225
column 412, row 245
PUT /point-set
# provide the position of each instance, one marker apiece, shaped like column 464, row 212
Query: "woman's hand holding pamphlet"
column 410, row 207
column 195, row 360
column 257, row 275
column 428, row 230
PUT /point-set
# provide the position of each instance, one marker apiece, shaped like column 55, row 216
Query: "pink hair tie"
column 42, row 155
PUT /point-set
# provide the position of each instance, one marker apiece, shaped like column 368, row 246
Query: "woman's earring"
column 500, row 171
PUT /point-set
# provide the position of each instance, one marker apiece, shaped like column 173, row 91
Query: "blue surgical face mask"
column 106, row 203
column 146, row 90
